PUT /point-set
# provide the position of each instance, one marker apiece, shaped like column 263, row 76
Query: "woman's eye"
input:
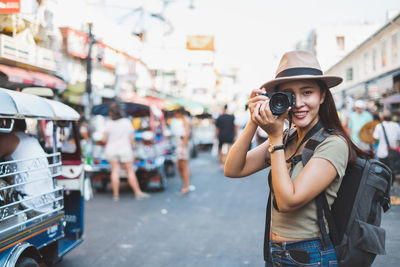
column 307, row 92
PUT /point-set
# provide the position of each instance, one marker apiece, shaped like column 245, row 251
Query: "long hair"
column 330, row 120
column 115, row 111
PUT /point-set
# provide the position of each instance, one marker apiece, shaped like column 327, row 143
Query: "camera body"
column 279, row 102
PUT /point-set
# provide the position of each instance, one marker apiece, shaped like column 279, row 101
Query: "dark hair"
column 330, row 120
column 19, row 125
column 115, row 111
column 387, row 116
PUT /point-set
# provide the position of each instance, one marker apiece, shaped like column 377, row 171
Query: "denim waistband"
column 306, row 243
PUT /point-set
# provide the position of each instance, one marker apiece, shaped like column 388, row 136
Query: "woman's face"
column 308, row 99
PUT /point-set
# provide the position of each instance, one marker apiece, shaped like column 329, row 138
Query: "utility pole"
column 91, row 42
column 89, row 106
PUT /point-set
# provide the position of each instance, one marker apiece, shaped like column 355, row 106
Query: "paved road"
column 219, row 224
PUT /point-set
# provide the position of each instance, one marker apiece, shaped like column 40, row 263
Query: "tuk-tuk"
column 150, row 146
column 41, row 197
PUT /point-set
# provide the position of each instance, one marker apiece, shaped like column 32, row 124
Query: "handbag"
column 393, row 155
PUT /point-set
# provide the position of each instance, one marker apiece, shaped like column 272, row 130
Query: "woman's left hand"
column 270, row 123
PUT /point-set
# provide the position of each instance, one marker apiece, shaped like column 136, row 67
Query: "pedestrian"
column 358, row 118
column 181, row 131
column 241, row 120
column 344, row 115
column 119, row 148
column 392, row 130
column 225, row 131
column 294, row 237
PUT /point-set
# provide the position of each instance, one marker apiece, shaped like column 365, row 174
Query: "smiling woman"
column 294, row 237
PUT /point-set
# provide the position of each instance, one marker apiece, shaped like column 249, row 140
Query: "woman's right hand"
column 256, row 99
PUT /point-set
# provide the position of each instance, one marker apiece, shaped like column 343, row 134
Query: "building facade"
column 371, row 71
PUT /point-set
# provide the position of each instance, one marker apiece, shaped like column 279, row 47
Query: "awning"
column 17, row 105
column 16, row 75
column 392, row 99
column 21, row 76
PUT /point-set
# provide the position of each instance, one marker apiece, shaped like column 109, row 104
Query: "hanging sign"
column 200, row 42
column 10, row 6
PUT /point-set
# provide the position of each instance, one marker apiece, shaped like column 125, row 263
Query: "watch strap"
column 279, row 147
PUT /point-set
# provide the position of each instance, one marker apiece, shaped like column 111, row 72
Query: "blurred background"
column 155, row 56
column 197, row 54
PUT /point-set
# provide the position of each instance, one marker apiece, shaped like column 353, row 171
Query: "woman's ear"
column 323, row 94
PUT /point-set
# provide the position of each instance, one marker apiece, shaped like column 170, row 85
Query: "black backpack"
column 355, row 216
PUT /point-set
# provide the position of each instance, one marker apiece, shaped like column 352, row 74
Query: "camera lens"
column 279, row 103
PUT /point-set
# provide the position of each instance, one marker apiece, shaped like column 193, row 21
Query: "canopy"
column 392, row 99
column 21, row 76
column 17, row 105
column 129, row 108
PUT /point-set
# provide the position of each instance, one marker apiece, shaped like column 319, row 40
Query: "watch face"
column 271, row 148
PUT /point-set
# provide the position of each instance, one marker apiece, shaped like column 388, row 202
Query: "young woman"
column 181, row 128
column 120, row 142
column 294, row 224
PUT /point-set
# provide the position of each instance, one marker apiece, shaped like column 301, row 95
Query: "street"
column 219, row 224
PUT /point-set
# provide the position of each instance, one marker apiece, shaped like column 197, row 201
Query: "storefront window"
column 395, row 49
column 374, row 59
column 340, row 42
column 384, row 54
column 366, row 64
column 349, row 74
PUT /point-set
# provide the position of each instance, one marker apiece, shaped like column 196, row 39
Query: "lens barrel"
column 279, row 102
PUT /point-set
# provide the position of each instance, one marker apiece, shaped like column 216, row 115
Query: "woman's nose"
column 299, row 101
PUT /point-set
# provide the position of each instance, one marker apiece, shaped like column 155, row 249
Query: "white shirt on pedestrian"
column 392, row 130
column 119, row 133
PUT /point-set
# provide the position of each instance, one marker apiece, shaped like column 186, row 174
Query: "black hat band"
column 298, row 71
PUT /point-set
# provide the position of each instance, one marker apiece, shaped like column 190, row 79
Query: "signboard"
column 77, row 43
column 10, row 6
column 200, row 42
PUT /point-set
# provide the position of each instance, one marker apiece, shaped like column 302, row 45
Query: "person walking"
column 119, row 145
column 225, row 131
column 294, row 225
column 358, row 118
column 392, row 131
column 181, row 130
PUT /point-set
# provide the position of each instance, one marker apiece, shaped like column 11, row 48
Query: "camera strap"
column 294, row 159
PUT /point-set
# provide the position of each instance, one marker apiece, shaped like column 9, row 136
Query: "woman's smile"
column 300, row 114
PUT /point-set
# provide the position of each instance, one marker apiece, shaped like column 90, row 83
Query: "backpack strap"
column 267, row 252
column 321, row 201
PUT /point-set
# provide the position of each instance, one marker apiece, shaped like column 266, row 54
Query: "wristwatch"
column 272, row 148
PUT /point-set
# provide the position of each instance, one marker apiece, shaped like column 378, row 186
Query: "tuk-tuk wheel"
column 26, row 262
column 169, row 168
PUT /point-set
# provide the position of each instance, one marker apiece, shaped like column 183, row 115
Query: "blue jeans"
column 299, row 252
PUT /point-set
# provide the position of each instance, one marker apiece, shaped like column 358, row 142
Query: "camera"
column 279, row 102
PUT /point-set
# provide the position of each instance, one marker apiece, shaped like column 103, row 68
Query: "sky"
column 249, row 34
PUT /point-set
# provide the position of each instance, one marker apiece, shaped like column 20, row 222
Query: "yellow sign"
column 200, row 42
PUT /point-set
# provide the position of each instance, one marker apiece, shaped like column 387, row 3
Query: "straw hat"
column 366, row 132
column 300, row 65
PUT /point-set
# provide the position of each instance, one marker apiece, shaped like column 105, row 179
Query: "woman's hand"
column 256, row 97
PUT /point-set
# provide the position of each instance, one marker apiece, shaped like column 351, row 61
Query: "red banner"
column 10, row 6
